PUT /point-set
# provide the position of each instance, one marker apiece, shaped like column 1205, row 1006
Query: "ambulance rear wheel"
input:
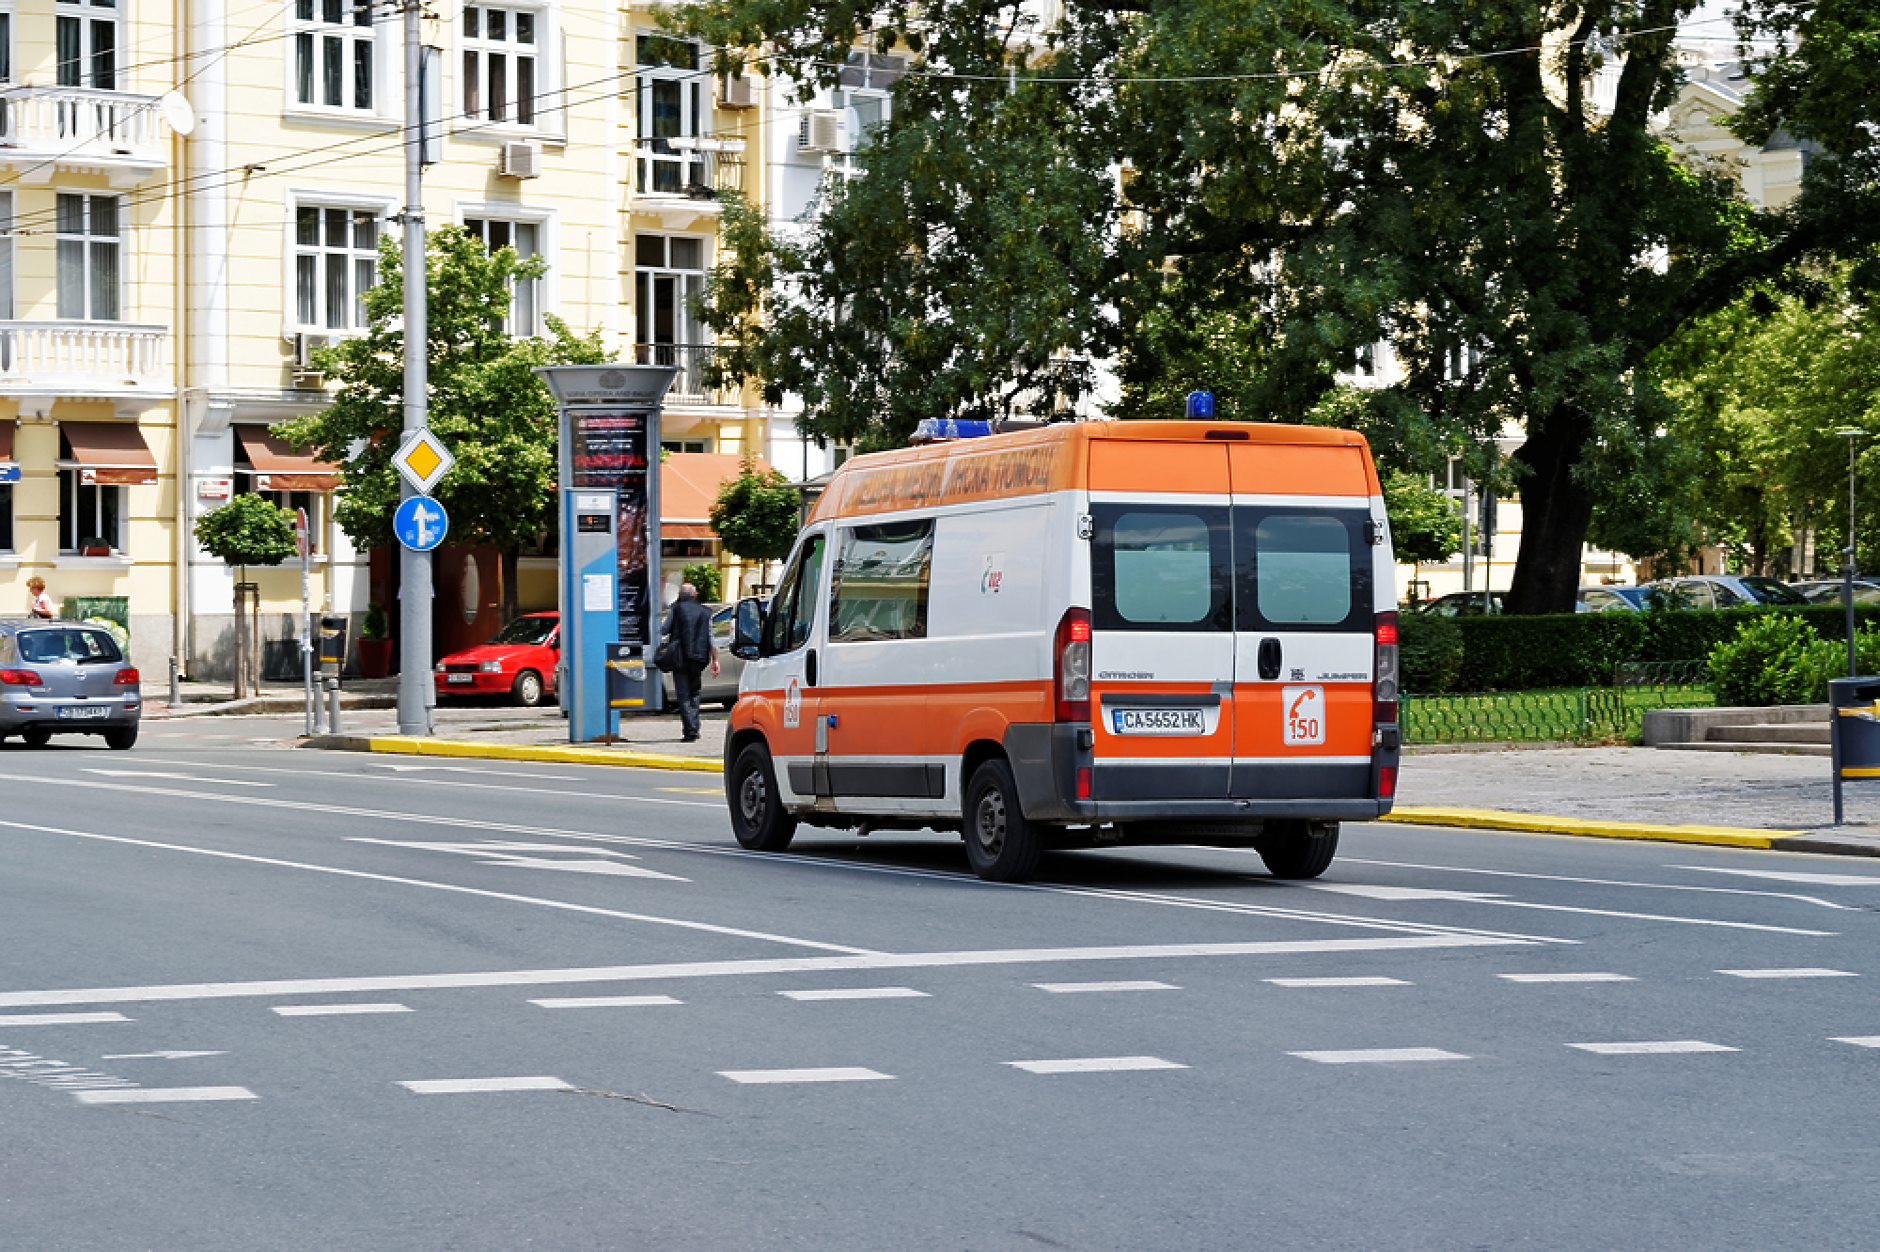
column 1298, row 849
column 757, row 816
column 1000, row 844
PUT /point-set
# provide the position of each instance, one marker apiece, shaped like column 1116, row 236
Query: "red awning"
column 686, row 530
column 279, row 467
column 110, row 453
column 688, row 486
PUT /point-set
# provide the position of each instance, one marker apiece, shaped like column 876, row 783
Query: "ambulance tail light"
column 1071, row 666
column 1384, row 694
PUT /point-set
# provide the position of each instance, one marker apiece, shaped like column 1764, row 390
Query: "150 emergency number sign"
column 1304, row 711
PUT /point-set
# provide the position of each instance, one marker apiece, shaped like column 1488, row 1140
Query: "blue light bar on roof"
column 938, row 429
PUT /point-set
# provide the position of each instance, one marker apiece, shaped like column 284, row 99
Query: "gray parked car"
column 66, row 678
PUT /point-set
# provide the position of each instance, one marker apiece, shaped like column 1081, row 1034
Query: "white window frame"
column 862, row 96
column 479, row 49
column 546, row 289
column 644, row 276
column 86, row 246
column 659, row 169
column 70, row 533
column 293, row 249
column 90, row 16
column 306, row 43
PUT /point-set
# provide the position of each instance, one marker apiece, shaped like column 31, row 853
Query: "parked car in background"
column 1824, row 591
column 66, row 678
column 1608, row 598
column 1462, row 604
column 1724, row 591
column 722, row 690
column 519, row 661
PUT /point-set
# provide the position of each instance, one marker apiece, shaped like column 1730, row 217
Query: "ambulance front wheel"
column 1298, row 849
column 757, row 816
column 1000, row 844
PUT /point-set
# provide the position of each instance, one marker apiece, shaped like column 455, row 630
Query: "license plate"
column 460, row 678
column 80, row 712
column 1144, row 721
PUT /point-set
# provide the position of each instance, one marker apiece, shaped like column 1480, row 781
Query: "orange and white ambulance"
column 1082, row 634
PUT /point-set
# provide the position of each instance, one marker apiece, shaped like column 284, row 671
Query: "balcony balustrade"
column 45, row 131
column 690, row 168
column 84, row 359
column 689, row 387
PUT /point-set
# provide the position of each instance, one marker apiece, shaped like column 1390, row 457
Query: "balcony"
column 85, row 360
column 689, row 169
column 49, row 131
column 689, row 387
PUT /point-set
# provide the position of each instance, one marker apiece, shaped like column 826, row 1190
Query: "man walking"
column 690, row 627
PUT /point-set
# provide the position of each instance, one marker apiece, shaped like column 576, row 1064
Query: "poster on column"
column 612, row 448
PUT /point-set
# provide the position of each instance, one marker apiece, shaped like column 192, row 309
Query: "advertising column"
column 609, row 443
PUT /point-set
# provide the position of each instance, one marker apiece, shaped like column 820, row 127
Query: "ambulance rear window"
column 1302, row 569
column 1161, row 569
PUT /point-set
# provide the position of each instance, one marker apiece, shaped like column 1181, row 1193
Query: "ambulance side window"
column 793, row 611
column 1161, row 567
column 879, row 588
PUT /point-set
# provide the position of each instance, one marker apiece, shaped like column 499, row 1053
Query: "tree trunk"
column 241, row 637
column 1556, row 510
column 508, row 564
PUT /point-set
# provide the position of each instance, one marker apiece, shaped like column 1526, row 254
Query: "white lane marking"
column 604, row 1002
column 1064, row 987
column 60, row 1019
column 856, row 993
column 803, row 1075
column 1338, row 982
column 1366, row 1056
column 1795, row 876
column 163, row 1095
column 160, row 1056
column 456, row 784
column 1095, row 1065
column 475, row 1086
column 719, row 969
column 1789, row 973
column 403, row 768
column 151, row 773
column 1862, row 1041
column 509, row 855
column 1651, row 1048
column 438, row 886
column 1596, row 882
column 336, row 1010
column 1590, row 977
column 1396, row 893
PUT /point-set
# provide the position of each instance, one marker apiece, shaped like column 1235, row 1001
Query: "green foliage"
column 1504, row 652
column 248, row 530
column 1775, row 660
column 706, row 578
column 755, row 514
column 485, row 403
column 1430, row 652
column 1425, row 524
column 374, row 626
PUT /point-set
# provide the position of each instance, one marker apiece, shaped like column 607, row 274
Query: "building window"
column 88, row 44
column 682, row 445
column 91, row 516
column 334, row 53
column 6, row 517
column 88, row 243
column 673, row 105
column 336, row 261
column 669, row 275
column 525, row 293
column 6, row 44
column 289, row 500
column 500, row 62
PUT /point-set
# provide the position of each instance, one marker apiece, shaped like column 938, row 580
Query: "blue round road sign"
column 420, row 523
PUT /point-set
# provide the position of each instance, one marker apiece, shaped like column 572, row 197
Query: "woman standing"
column 38, row 603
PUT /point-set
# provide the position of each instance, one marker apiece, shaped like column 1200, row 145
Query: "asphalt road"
column 253, row 998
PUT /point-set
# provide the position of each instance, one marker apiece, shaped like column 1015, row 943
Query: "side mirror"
column 747, row 629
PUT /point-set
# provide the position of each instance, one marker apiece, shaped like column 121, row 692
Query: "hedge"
column 1507, row 653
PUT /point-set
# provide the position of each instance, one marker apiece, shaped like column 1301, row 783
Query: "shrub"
column 1429, row 652
column 705, row 577
column 1775, row 659
column 1504, row 653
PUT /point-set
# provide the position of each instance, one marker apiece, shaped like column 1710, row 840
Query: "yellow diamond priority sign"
column 422, row 460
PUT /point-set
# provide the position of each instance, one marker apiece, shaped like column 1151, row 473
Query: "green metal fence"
column 1564, row 715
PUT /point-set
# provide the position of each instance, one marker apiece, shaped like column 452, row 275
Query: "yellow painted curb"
column 405, row 745
column 1491, row 819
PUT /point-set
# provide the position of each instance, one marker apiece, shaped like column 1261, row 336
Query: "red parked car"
column 519, row 661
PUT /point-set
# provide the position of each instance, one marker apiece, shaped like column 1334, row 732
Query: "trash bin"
column 332, row 645
column 1853, row 732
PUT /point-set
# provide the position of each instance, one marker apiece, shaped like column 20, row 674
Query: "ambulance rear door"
column 1162, row 631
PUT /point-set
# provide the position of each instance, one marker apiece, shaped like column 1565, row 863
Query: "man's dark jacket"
column 691, row 629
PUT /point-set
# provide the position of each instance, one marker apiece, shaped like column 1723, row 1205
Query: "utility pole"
column 416, row 695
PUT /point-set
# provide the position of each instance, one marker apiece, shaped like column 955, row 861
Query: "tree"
column 1299, row 183
column 485, row 404
column 248, row 530
column 1425, row 524
column 756, row 514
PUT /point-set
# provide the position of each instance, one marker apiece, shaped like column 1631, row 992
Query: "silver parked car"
column 1723, row 591
column 722, row 690
column 65, row 678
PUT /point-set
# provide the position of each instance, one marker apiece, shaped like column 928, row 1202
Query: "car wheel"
column 120, row 738
column 1001, row 845
column 757, row 816
column 528, row 689
column 36, row 736
column 1298, row 849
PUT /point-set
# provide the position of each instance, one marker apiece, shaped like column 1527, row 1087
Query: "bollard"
column 176, row 687
column 332, row 706
column 1853, row 732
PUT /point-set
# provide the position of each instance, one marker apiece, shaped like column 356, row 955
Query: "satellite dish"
column 176, row 110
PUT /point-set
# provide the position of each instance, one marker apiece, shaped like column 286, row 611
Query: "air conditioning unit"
column 821, row 131
column 520, row 159
column 735, row 93
column 305, row 371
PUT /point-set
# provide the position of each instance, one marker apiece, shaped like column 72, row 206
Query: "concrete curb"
column 407, row 745
column 261, row 705
column 1492, row 819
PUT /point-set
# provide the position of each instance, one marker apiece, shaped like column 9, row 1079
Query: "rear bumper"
column 18, row 710
column 479, row 685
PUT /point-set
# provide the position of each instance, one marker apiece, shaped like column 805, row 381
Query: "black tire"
column 1298, row 849
column 757, row 816
column 120, row 738
column 36, row 736
column 1001, row 845
column 527, row 690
